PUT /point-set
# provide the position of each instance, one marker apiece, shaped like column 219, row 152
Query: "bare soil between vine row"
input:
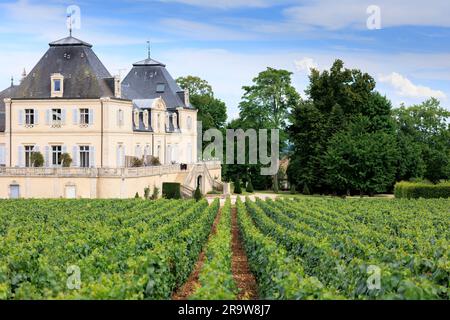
column 242, row 275
column 244, row 278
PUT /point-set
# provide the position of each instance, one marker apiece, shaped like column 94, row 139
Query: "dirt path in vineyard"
column 241, row 271
column 242, row 275
column 192, row 282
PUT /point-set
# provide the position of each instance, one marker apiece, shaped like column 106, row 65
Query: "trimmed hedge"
column 171, row 190
column 410, row 190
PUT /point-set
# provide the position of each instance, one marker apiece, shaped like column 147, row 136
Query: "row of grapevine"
column 279, row 275
column 339, row 254
column 124, row 249
column 216, row 278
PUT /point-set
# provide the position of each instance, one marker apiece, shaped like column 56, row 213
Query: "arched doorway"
column 200, row 183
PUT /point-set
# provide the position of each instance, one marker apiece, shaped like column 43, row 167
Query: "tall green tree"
column 211, row 111
column 267, row 103
column 337, row 100
column 424, row 133
column 359, row 159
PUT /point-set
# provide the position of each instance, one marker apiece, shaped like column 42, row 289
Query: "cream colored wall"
column 55, row 187
column 70, row 134
column 102, row 188
column 43, row 134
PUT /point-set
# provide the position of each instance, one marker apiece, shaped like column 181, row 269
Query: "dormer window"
column 160, row 88
column 57, row 85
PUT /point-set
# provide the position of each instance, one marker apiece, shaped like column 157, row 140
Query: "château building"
column 122, row 136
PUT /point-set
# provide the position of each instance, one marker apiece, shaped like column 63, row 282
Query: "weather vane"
column 73, row 18
column 148, row 48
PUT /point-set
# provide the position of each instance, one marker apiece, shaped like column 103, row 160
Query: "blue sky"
column 227, row 42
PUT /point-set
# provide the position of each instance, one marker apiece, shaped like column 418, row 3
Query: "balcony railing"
column 100, row 172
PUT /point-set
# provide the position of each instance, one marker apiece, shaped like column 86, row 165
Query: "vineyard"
column 329, row 248
column 314, row 248
column 123, row 249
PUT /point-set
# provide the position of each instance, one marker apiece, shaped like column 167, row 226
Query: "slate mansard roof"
column 145, row 81
column 85, row 77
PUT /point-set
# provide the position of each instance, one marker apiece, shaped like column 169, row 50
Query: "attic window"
column 160, row 88
column 57, row 85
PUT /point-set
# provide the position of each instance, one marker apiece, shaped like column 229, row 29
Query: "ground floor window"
column 84, row 156
column 14, row 191
column 28, row 153
column 56, row 155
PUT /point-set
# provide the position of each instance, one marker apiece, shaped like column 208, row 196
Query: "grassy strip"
column 216, row 277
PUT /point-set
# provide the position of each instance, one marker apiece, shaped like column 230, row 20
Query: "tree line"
column 342, row 137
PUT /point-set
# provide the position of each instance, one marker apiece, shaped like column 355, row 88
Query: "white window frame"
column 30, row 117
column 56, row 153
column 56, row 117
column 84, row 156
column 85, row 117
column 28, row 150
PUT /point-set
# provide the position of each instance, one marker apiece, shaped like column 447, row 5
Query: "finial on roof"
column 12, row 81
column 148, row 49
column 69, row 23
column 24, row 73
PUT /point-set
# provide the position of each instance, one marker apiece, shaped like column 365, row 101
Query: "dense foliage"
column 337, row 241
column 279, row 275
column 124, row 249
column 417, row 190
column 343, row 135
column 265, row 105
column 171, row 190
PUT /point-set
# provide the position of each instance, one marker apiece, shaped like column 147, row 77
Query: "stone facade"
column 101, row 127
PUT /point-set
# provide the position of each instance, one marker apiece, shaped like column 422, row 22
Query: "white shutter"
column 20, row 157
column 91, row 116
column 63, row 116
column 118, row 158
column 118, row 118
column 21, row 117
column 75, row 116
column 124, row 156
column 2, row 154
column 92, row 157
column 75, row 156
column 64, row 149
column 48, row 115
column 47, row 156
column 36, row 149
column 36, row 116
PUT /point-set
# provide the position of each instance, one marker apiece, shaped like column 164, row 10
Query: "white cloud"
column 406, row 88
column 305, row 65
column 47, row 22
column 333, row 15
column 203, row 31
column 228, row 4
